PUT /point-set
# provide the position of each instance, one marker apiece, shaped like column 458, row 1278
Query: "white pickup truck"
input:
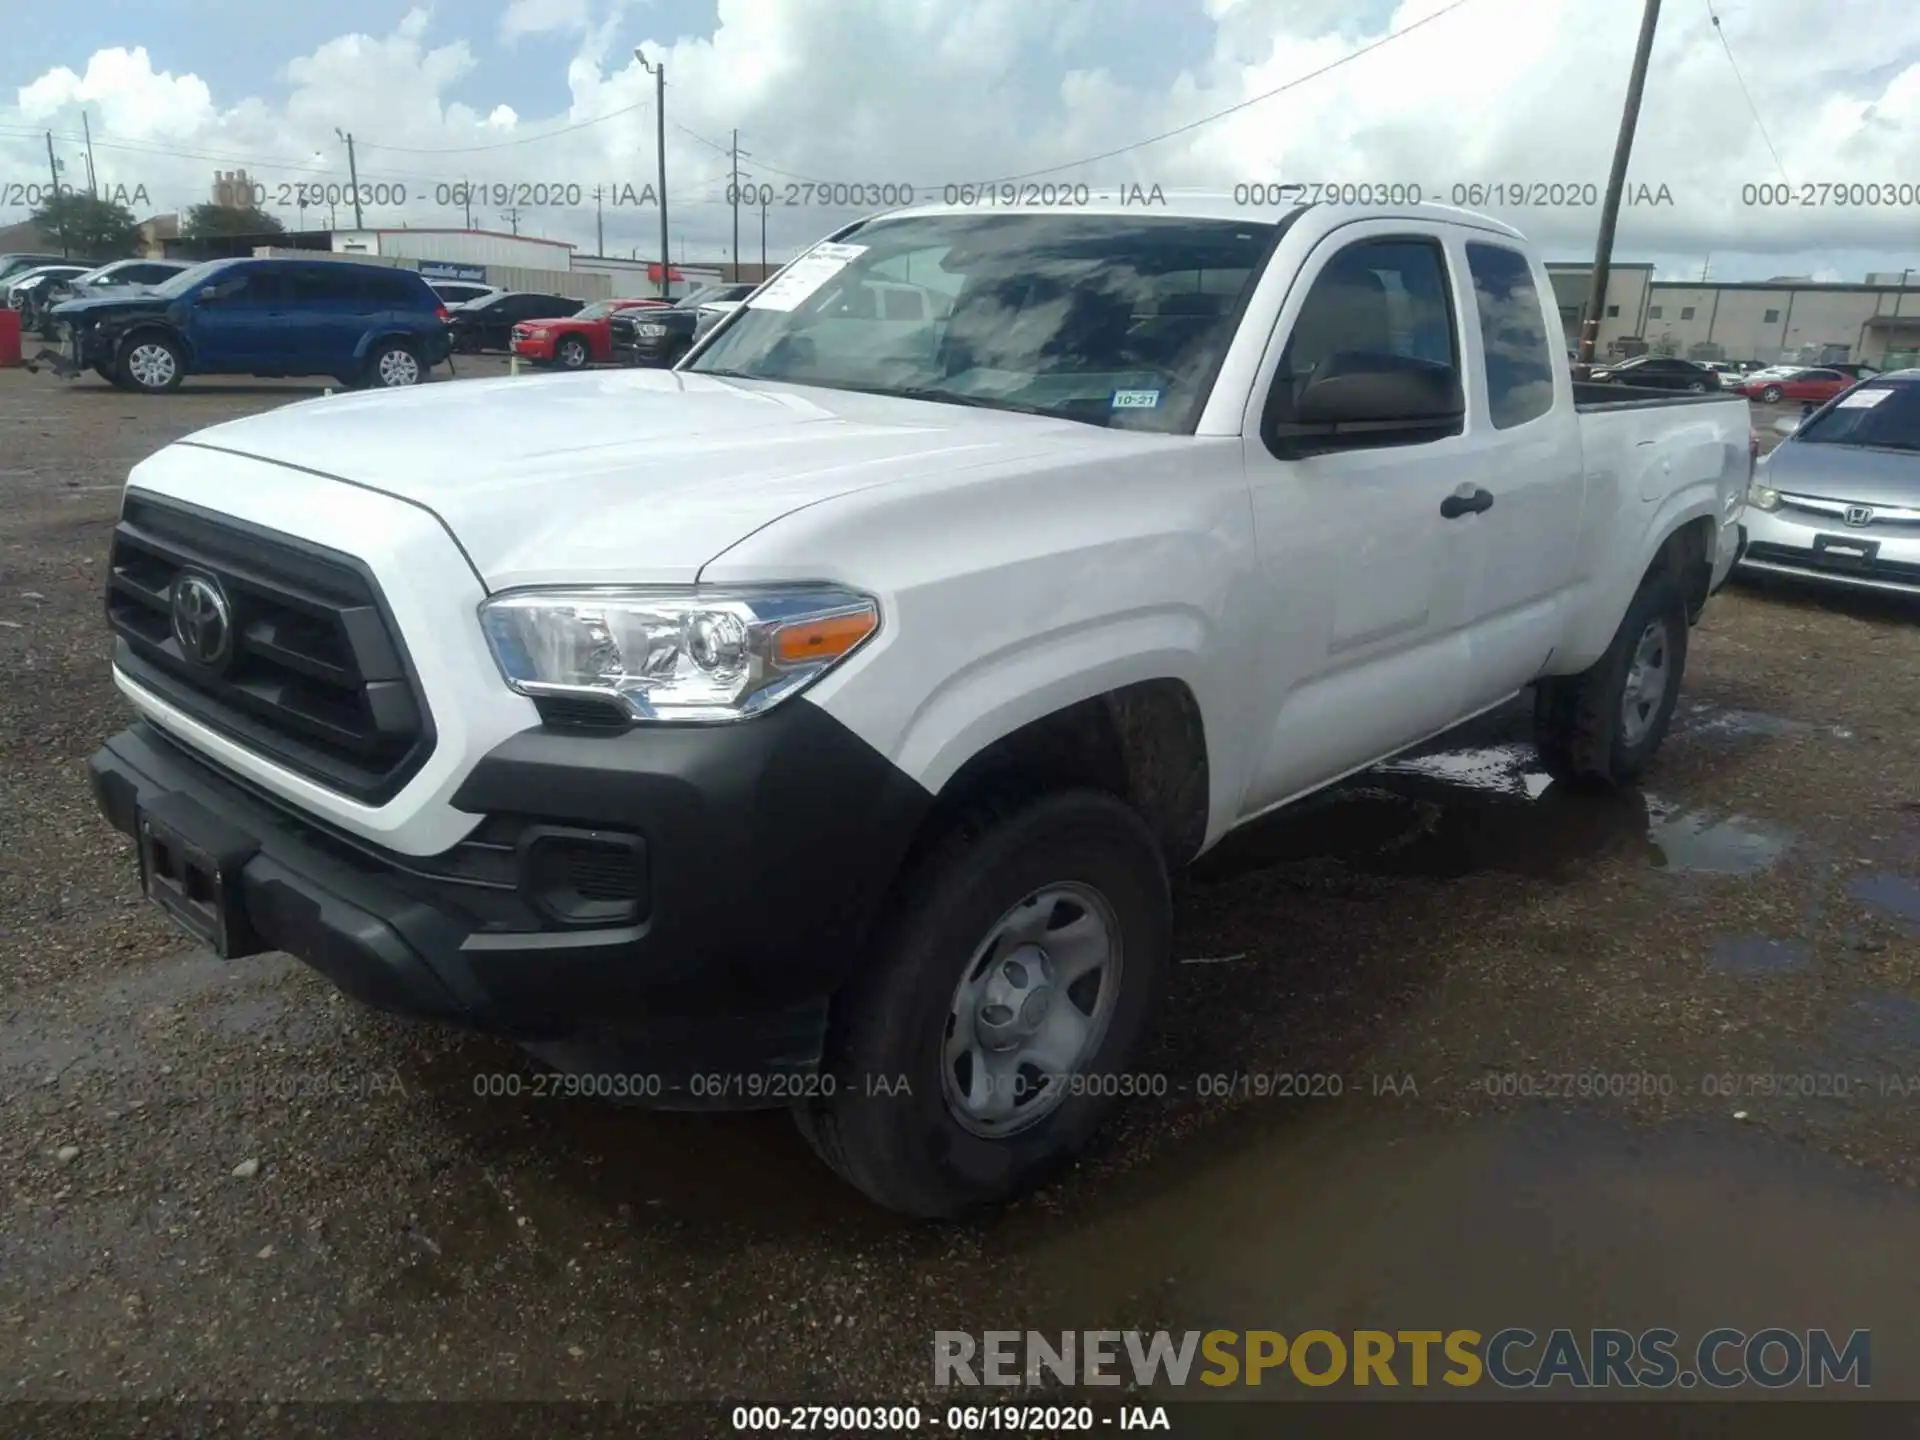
column 816, row 724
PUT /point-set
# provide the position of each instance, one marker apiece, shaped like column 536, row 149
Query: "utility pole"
column 599, row 222
column 659, row 73
column 763, row 234
column 1616, row 182
column 53, row 169
column 734, row 153
column 512, row 217
column 353, row 177
column 93, row 183
column 1901, row 293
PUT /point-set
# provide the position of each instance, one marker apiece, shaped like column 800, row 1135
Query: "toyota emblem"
column 1859, row 514
column 202, row 621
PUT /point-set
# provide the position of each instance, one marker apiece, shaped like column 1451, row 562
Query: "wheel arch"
column 1143, row 742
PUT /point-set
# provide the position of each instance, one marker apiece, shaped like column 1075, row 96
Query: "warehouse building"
column 1791, row 319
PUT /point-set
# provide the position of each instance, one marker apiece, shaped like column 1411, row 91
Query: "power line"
column 1752, row 109
column 507, row 144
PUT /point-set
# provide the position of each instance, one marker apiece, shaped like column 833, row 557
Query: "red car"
column 1818, row 386
column 576, row 341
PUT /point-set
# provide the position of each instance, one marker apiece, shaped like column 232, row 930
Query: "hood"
column 1858, row 473
column 634, row 476
column 99, row 307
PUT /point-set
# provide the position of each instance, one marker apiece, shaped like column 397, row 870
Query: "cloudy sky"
column 927, row 93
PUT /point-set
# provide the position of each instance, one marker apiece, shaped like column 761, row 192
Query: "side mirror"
column 1367, row 398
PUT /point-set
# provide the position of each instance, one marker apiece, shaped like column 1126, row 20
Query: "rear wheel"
column 1697, row 387
column 1022, row 964
column 1602, row 726
column 1770, row 395
column 151, row 364
column 393, row 365
column 572, row 353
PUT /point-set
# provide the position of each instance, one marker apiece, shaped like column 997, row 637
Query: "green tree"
column 211, row 219
column 89, row 228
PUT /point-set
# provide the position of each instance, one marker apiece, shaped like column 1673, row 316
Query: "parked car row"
column 33, row 290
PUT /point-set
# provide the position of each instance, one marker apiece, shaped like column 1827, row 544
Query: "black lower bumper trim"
column 771, row 846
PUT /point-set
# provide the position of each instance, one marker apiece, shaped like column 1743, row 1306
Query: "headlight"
column 676, row 654
column 1763, row 497
column 650, row 332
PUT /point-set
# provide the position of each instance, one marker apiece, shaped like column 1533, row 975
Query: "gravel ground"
column 222, row 1180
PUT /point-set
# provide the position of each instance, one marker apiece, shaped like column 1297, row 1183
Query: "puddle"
column 1711, row 722
column 1895, row 894
column 1702, row 843
column 1487, row 809
column 1533, row 1218
column 1758, row 955
column 1880, row 1032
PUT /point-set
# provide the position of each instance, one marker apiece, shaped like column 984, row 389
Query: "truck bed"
column 1591, row 395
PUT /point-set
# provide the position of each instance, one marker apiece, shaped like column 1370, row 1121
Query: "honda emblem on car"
column 1859, row 514
column 202, row 623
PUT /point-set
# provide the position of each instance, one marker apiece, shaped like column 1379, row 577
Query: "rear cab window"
column 1517, row 354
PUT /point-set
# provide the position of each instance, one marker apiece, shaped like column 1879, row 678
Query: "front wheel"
column 572, row 354
column 152, row 364
column 1022, row 964
column 394, row 365
column 1770, row 395
column 1601, row 727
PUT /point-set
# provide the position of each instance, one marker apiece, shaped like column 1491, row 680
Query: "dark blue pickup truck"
column 361, row 324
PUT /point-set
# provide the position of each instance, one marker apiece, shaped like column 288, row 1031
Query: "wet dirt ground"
column 1644, row 1060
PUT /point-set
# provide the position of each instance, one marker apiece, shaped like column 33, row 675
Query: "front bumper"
column 529, row 348
column 1819, row 548
column 650, row 352
column 766, row 851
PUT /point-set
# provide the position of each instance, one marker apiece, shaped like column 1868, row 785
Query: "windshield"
column 186, row 280
column 599, row 310
column 1883, row 416
column 704, row 295
column 1112, row 320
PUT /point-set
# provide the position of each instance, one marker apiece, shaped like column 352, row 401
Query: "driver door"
column 1365, row 585
column 238, row 321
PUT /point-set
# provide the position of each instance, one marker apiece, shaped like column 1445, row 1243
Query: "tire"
column 1770, row 395
column 572, row 354
column 1600, row 728
column 394, row 366
column 151, row 364
column 908, row 1149
column 1698, row 387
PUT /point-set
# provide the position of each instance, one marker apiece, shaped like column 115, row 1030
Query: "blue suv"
column 361, row 324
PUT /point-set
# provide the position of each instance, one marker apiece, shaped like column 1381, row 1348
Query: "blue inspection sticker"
column 1136, row 399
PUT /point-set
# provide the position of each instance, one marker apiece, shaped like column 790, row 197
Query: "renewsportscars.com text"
column 1513, row 1359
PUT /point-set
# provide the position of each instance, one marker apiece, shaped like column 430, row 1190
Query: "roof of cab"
column 1192, row 205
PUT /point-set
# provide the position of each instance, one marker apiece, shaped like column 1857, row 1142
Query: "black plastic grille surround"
column 317, row 678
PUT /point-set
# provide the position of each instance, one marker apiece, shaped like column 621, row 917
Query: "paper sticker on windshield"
column 1862, row 399
column 1136, row 399
column 804, row 276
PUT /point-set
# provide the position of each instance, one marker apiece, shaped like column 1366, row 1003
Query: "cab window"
column 1378, row 306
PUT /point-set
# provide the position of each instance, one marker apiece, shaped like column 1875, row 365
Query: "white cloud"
column 537, row 17
column 935, row 91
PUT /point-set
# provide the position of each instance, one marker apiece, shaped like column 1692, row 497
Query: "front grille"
column 1905, row 572
column 316, row 678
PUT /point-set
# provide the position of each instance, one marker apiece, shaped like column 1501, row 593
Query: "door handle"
column 1467, row 500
